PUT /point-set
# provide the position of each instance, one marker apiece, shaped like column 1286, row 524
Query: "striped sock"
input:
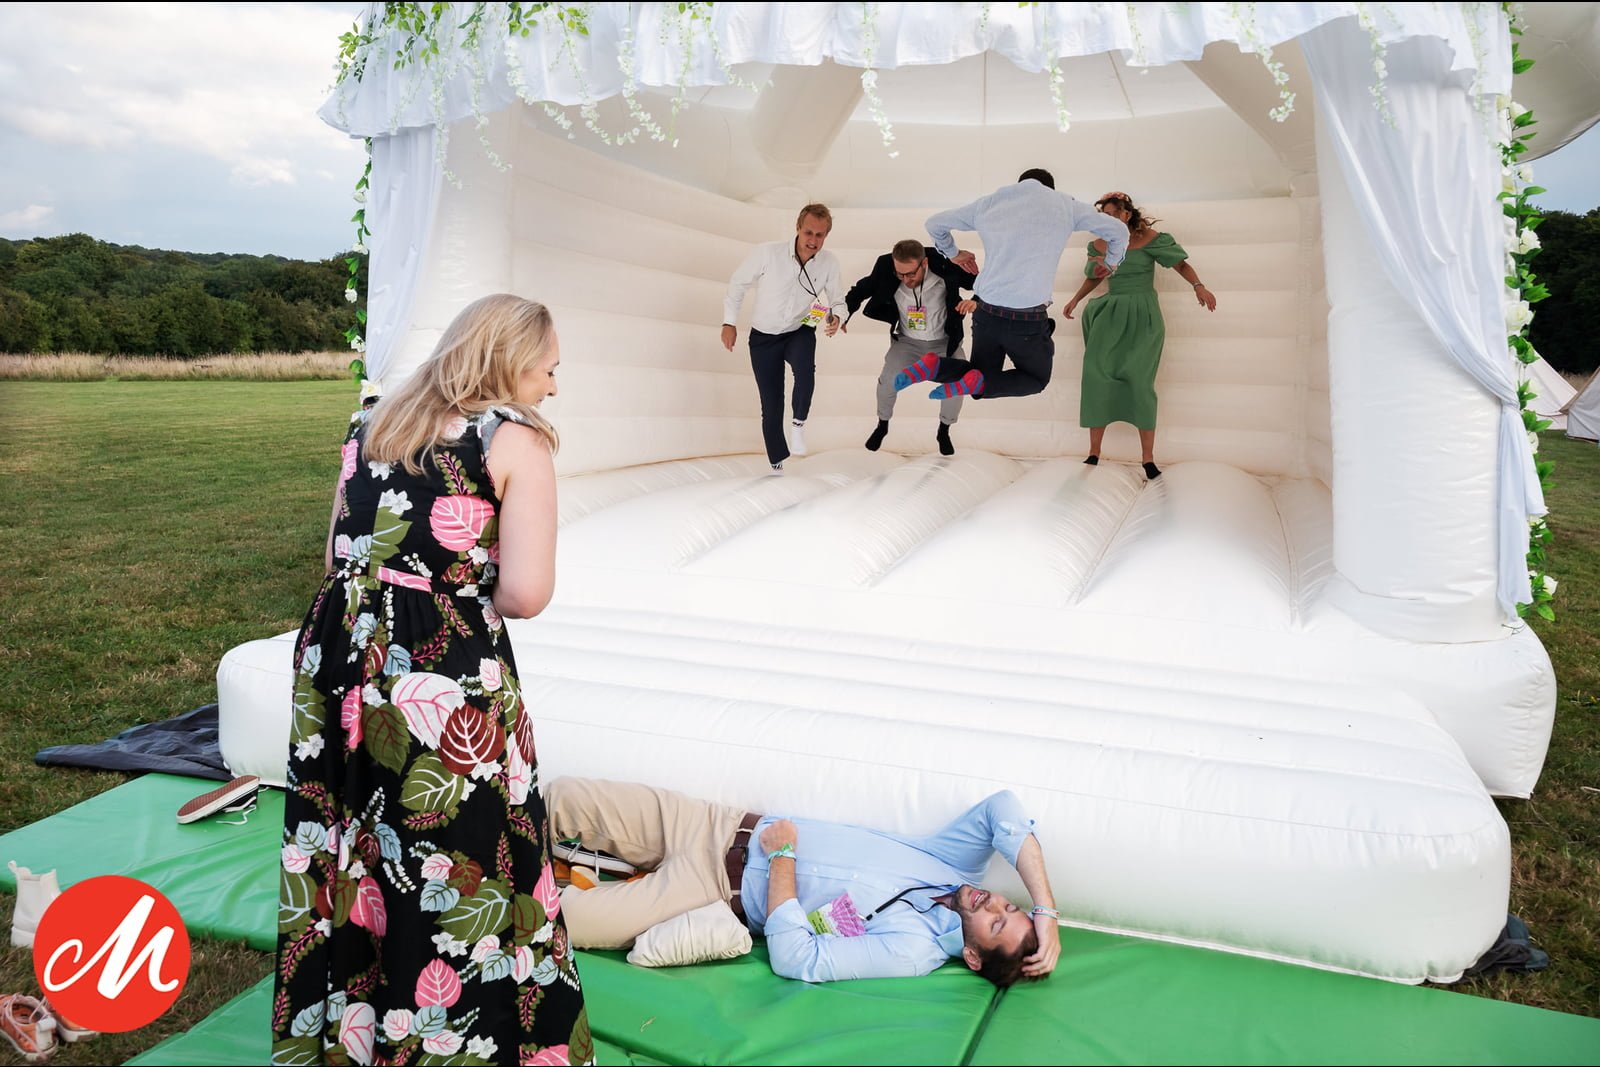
column 920, row 371
column 969, row 384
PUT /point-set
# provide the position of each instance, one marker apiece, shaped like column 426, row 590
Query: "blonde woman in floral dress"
column 1123, row 331
column 418, row 915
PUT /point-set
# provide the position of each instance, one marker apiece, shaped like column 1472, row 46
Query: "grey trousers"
column 904, row 351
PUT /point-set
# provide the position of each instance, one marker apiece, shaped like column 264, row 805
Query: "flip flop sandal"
column 218, row 799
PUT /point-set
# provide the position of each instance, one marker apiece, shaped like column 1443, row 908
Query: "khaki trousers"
column 684, row 840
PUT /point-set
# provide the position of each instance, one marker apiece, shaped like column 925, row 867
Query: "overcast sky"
column 194, row 127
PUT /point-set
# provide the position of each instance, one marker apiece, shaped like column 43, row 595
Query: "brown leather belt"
column 738, row 854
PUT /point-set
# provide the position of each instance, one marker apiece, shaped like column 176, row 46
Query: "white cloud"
column 239, row 84
column 26, row 218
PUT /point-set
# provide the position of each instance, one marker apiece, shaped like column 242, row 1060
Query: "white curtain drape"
column 650, row 38
column 401, row 205
column 1425, row 188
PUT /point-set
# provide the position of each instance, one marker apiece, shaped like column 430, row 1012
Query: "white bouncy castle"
column 1261, row 703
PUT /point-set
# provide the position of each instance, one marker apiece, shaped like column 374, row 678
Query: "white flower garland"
column 1522, row 291
column 869, row 77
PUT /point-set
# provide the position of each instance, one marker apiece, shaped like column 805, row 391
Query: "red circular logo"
column 111, row 954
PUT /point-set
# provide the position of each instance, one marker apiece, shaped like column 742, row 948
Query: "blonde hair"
column 474, row 367
column 819, row 211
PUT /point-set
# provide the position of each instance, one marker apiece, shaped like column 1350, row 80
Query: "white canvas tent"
column 1554, row 392
column 1261, row 703
column 1582, row 411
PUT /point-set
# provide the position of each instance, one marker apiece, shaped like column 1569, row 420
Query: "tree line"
column 1568, row 264
column 77, row 294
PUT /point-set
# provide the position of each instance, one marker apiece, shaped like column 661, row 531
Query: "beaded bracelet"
column 1053, row 913
column 782, row 850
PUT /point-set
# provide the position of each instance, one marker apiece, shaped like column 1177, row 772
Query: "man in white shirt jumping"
column 797, row 288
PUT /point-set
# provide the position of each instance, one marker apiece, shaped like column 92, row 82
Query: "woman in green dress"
column 1123, row 331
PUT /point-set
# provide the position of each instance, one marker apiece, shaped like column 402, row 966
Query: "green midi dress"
column 1122, row 338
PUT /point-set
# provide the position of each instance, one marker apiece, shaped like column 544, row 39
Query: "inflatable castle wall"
column 1260, row 703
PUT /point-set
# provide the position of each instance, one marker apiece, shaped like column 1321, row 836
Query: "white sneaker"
column 797, row 438
column 35, row 893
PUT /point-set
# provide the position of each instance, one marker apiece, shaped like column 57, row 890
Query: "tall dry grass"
column 257, row 367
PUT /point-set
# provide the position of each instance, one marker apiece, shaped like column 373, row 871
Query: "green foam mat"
column 1112, row 1000
column 738, row 1011
column 238, row 1034
column 1119, row 1000
column 221, row 878
column 733, row 1011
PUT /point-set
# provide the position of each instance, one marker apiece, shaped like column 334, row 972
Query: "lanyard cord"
column 806, row 283
column 898, row 899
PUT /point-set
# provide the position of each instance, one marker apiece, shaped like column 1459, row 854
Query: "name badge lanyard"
column 806, row 283
column 898, row 898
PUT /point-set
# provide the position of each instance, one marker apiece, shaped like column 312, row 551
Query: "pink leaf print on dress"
column 404, row 580
column 549, row 1056
column 358, row 1028
column 438, row 984
column 547, row 893
column 350, row 719
column 347, row 465
column 426, row 700
column 368, row 910
column 458, row 521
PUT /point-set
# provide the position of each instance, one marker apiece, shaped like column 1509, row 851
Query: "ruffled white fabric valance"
column 666, row 48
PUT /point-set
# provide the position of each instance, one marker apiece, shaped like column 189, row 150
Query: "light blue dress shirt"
column 909, row 938
column 1024, row 229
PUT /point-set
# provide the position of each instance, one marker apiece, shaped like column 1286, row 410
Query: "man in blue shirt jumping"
column 1024, row 229
column 834, row 901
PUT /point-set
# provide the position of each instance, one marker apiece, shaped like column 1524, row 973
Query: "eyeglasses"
column 905, row 275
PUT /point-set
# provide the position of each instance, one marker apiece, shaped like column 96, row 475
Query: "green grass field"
column 151, row 526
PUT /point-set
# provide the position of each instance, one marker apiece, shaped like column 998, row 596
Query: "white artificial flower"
column 350, row 296
column 1517, row 111
column 360, row 195
column 1527, row 241
column 1524, row 172
column 1518, row 314
column 378, row 470
column 395, row 501
column 1549, row 586
column 310, row 748
column 371, row 387
column 483, row 1048
column 1508, row 180
column 359, row 248
column 358, row 344
column 1533, row 441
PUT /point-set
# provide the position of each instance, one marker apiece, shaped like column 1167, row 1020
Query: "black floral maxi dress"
column 418, row 917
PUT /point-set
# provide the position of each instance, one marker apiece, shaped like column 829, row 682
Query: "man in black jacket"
column 917, row 292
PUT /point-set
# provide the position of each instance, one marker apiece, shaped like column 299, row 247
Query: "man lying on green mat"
column 834, row 901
